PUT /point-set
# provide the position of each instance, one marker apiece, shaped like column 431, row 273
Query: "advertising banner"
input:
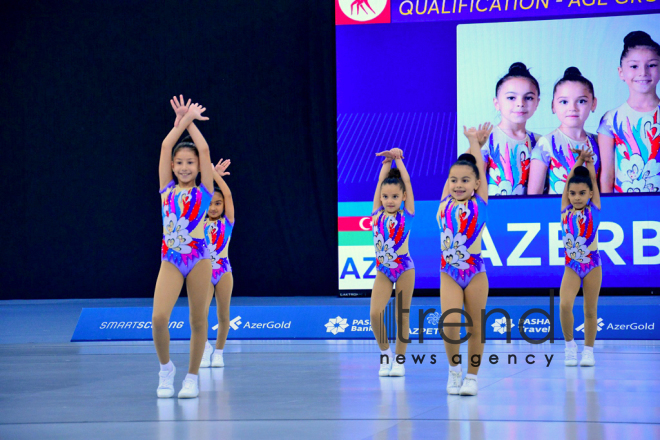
column 615, row 321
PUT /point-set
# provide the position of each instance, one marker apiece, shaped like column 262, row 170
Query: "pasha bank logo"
column 336, row 325
column 362, row 11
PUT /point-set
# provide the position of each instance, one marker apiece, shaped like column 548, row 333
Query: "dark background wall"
column 85, row 108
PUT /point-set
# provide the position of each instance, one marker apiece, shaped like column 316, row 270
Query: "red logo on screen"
column 362, row 11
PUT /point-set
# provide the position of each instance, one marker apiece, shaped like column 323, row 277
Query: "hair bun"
column 518, row 68
column 394, row 174
column 637, row 38
column 581, row 171
column 572, row 71
column 468, row 158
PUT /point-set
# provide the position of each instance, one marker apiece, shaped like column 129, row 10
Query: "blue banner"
column 522, row 246
column 634, row 320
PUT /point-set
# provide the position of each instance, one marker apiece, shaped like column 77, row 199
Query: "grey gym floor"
column 51, row 389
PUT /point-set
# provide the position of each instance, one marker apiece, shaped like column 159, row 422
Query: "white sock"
column 456, row 368
column 219, row 351
column 208, row 346
column 471, row 376
column 167, row 367
column 571, row 344
column 191, row 376
column 387, row 353
column 587, row 349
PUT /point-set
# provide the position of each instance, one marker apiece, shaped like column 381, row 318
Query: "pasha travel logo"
column 362, row 11
column 336, row 325
column 499, row 326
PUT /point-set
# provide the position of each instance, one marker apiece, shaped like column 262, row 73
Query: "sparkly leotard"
column 217, row 234
column 391, row 233
column 183, row 211
column 579, row 232
column 461, row 225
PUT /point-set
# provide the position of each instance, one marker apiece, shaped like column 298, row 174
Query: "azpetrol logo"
column 601, row 324
column 433, row 318
column 502, row 325
column 362, row 11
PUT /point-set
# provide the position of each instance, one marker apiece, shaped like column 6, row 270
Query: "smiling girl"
column 392, row 218
column 217, row 229
column 184, row 253
column 509, row 148
column 629, row 136
column 572, row 100
column 462, row 215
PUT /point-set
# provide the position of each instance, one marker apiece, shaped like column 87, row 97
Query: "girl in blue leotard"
column 392, row 217
column 580, row 216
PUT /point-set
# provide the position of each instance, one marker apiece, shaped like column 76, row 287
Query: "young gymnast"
column 629, row 136
column 572, row 100
column 184, row 253
column 508, row 150
column 217, row 231
column 462, row 215
column 580, row 212
column 391, row 227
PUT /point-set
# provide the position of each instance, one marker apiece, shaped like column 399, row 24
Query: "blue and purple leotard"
column 391, row 233
column 461, row 225
column 218, row 234
column 579, row 230
column 183, row 212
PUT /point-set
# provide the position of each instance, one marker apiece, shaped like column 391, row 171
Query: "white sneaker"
column 385, row 368
column 587, row 359
column 454, row 382
column 166, row 383
column 398, row 370
column 206, row 357
column 469, row 387
column 189, row 390
column 217, row 361
column 570, row 356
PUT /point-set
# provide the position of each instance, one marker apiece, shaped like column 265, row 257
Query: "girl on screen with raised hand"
column 580, row 217
column 462, row 215
column 392, row 218
column 629, row 136
column 509, row 148
column 572, row 100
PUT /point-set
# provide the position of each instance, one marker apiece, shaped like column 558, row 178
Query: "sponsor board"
column 633, row 322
